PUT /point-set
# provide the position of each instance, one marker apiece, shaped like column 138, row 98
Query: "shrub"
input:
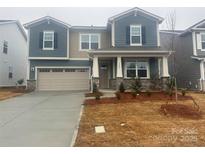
column 183, row 91
column 121, row 87
column 136, row 85
column 95, row 87
column 118, row 96
column 97, row 95
column 170, row 86
column 20, row 82
column 148, row 93
column 134, row 94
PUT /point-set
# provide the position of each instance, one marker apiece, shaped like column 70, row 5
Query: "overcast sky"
column 78, row 16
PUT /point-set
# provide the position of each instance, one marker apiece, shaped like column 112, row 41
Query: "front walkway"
column 40, row 119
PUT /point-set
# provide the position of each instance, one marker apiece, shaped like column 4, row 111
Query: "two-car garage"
column 54, row 79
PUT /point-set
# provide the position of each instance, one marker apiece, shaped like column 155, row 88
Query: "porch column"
column 165, row 70
column 119, row 67
column 119, row 76
column 95, row 74
column 95, row 68
column 202, row 75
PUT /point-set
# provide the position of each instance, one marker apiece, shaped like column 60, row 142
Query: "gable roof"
column 136, row 9
column 194, row 27
column 3, row 22
column 28, row 25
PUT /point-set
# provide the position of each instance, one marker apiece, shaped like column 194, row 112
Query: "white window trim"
column 136, row 44
column 52, row 32
column 202, row 41
column 147, row 66
column 99, row 41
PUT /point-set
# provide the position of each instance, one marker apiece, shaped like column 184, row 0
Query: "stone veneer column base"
column 201, row 85
column 164, row 83
column 96, row 80
column 118, row 81
column 31, row 85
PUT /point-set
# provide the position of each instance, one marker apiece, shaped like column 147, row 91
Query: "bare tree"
column 171, row 25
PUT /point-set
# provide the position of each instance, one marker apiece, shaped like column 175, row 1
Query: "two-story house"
column 65, row 57
column 13, row 53
column 189, row 56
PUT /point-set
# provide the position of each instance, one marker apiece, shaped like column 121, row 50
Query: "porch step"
column 107, row 90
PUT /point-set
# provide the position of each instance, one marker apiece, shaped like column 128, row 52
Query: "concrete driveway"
column 40, row 119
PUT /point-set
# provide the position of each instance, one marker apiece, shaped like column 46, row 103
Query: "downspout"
column 202, row 75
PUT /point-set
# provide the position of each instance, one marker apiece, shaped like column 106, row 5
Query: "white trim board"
column 55, row 58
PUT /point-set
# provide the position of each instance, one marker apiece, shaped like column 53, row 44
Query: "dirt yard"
column 6, row 93
column 139, row 123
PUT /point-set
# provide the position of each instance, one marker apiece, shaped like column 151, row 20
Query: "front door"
column 104, row 69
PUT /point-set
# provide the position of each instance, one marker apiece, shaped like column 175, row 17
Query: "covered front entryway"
column 55, row 79
column 110, row 69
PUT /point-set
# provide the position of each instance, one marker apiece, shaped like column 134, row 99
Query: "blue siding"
column 60, row 63
column 150, row 29
column 34, row 48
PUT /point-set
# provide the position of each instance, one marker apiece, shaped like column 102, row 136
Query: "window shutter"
column 41, row 40
column 55, row 40
column 143, row 35
column 198, row 41
column 128, row 35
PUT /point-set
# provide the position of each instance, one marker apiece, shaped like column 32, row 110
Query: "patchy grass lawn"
column 143, row 125
column 6, row 93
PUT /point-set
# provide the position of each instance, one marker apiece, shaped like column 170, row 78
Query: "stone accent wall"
column 146, row 84
column 96, row 80
column 112, row 83
column 164, row 81
column 31, row 85
column 201, row 85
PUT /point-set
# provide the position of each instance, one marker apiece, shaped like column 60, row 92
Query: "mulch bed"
column 143, row 96
column 180, row 110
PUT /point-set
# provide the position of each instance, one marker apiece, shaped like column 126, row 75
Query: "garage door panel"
column 63, row 80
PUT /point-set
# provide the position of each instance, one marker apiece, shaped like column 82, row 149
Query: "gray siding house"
column 190, row 56
column 65, row 57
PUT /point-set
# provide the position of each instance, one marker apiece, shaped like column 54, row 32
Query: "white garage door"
column 63, row 79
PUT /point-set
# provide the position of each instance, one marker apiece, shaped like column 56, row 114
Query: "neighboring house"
column 65, row 57
column 189, row 56
column 13, row 53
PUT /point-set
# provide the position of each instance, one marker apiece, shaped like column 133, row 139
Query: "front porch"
column 109, row 71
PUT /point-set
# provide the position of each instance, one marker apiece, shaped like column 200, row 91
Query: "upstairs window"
column 5, row 47
column 89, row 41
column 85, row 42
column 203, row 41
column 135, row 35
column 48, row 40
